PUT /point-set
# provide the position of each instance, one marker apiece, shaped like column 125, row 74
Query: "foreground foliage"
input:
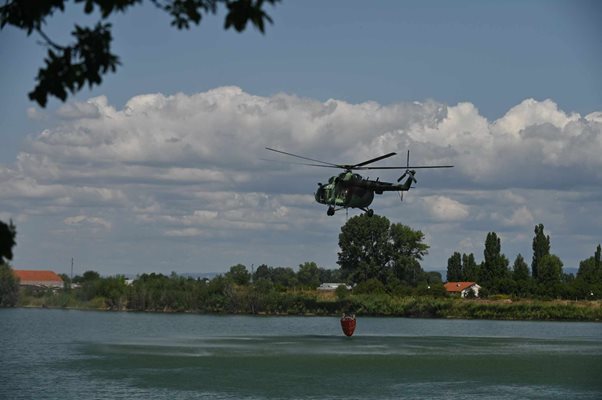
column 70, row 67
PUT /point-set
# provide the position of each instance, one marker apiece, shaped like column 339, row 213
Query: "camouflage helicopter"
column 350, row 190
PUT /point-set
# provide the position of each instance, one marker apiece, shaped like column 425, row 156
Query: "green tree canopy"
column 88, row 276
column 330, row 275
column 284, row 277
column 365, row 247
column 71, row 67
column 373, row 248
column 520, row 269
column 309, row 275
column 262, row 272
column 407, row 242
column 590, row 269
column 433, row 278
column 408, row 270
column 550, row 270
column 454, row 268
column 239, row 275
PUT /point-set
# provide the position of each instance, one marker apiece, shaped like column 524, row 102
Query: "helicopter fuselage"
column 351, row 190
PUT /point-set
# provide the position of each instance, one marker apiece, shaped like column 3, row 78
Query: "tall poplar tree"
column 495, row 265
column 550, row 273
column 520, row 269
column 541, row 248
column 454, row 268
column 470, row 269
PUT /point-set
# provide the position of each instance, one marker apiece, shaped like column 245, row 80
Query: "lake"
column 67, row 354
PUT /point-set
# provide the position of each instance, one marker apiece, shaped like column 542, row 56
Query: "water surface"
column 62, row 354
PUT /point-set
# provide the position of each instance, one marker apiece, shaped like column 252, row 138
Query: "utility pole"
column 71, row 269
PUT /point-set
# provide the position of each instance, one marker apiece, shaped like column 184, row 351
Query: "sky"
column 162, row 167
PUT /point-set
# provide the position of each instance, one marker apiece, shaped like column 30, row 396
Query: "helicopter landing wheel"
column 370, row 212
column 330, row 211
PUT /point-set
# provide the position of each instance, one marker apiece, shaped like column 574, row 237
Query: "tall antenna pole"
column 71, row 269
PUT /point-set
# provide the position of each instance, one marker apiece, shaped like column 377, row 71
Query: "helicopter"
column 351, row 190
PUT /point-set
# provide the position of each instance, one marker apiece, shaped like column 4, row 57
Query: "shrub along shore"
column 313, row 303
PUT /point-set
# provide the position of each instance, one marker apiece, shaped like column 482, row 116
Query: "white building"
column 333, row 286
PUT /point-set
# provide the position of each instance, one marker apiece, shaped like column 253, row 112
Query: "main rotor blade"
column 303, row 158
column 298, row 163
column 373, row 160
column 409, row 167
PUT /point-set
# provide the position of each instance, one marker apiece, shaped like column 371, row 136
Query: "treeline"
column 233, row 293
column 266, row 290
column 379, row 259
column 269, row 290
column 543, row 279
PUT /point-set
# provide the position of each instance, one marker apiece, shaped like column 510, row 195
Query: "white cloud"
column 81, row 110
column 520, row 217
column 446, row 209
column 80, row 220
column 530, row 113
column 187, row 232
column 189, row 166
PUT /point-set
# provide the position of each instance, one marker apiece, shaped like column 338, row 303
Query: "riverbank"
column 319, row 304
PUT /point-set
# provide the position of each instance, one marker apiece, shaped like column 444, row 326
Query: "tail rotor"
column 408, row 172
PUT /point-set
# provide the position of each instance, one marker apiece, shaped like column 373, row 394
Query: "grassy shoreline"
column 308, row 304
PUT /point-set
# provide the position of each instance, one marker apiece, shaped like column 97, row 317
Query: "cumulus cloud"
column 190, row 166
column 82, row 110
column 220, row 135
column 520, row 217
column 446, row 209
column 80, row 220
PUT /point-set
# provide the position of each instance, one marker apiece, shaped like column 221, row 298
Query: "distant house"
column 40, row 279
column 462, row 288
column 333, row 286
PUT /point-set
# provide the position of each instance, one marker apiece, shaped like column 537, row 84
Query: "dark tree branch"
column 48, row 41
column 69, row 68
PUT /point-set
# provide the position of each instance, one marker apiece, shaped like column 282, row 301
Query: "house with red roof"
column 462, row 288
column 37, row 278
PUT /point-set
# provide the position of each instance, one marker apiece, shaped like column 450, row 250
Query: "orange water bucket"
column 348, row 324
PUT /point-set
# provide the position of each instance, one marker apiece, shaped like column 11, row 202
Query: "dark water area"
column 62, row 354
